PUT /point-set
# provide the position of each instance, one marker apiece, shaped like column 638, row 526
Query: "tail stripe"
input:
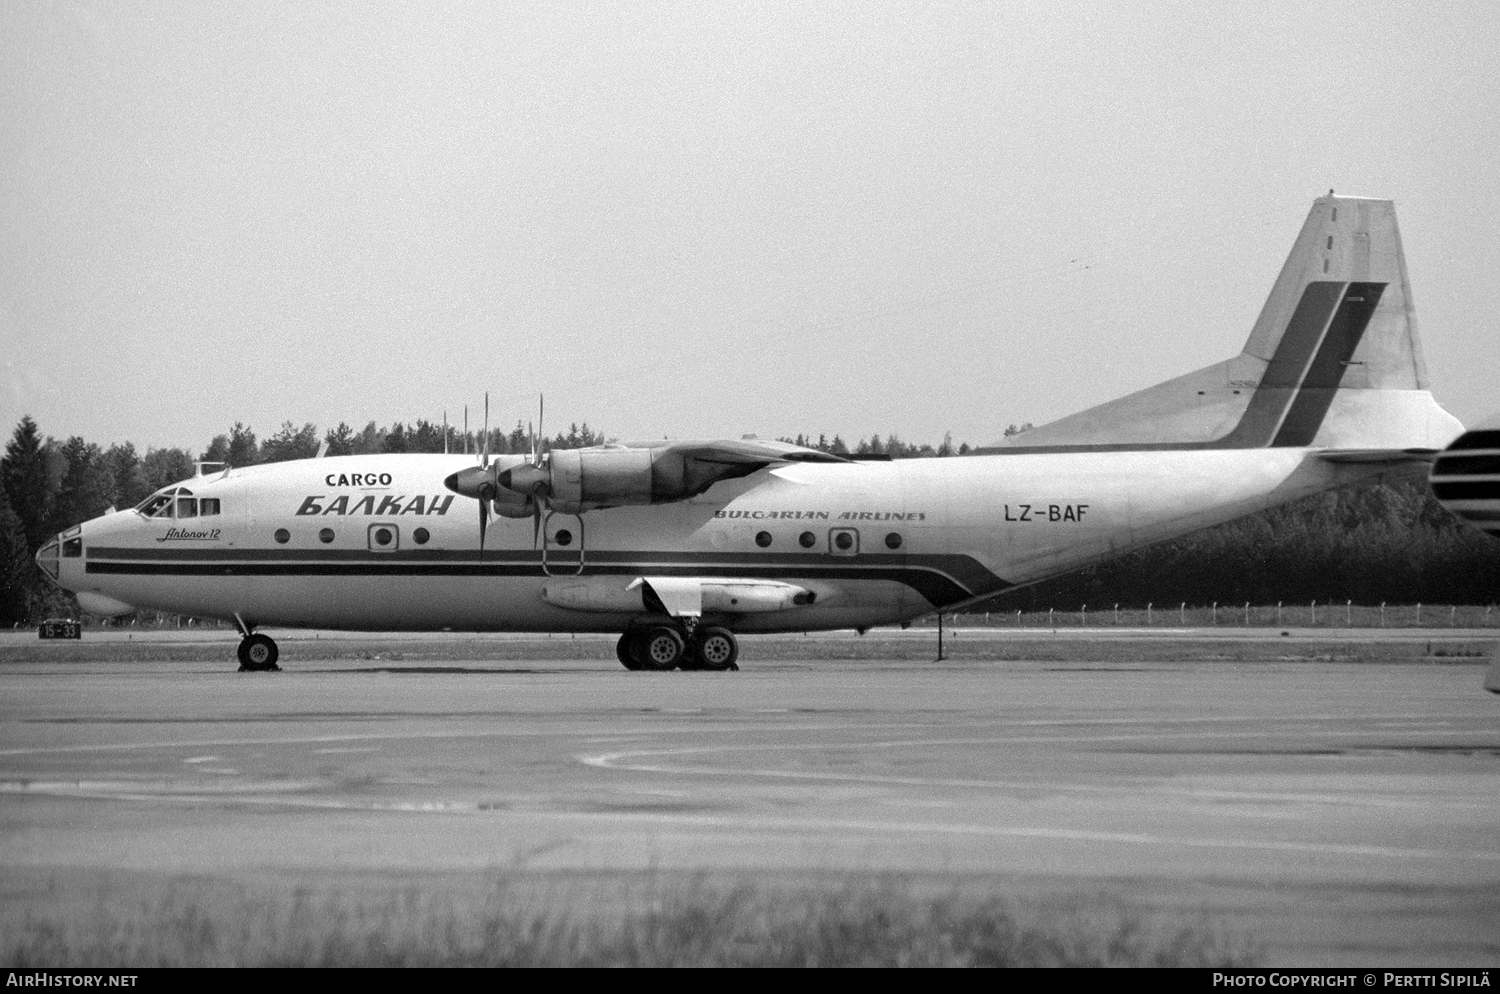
column 1288, row 365
column 1328, row 367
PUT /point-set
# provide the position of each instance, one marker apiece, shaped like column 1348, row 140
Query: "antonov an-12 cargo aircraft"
column 680, row 546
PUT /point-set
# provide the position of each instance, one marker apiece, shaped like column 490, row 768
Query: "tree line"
column 240, row 447
column 1388, row 542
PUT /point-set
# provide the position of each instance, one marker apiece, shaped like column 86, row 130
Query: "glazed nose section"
column 67, row 545
column 47, row 558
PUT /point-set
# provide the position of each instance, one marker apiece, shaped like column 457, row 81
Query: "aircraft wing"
column 693, row 467
column 737, row 452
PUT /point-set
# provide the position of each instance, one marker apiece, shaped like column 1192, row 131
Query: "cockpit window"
column 156, row 506
column 177, row 502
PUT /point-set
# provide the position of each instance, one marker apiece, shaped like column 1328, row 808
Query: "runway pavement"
column 1339, row 813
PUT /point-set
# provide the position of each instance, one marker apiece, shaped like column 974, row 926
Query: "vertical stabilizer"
column 1350, row 240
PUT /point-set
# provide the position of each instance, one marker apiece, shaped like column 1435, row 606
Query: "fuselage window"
column 282, row 536
column 763, row 539
column 420, row 536
column 208, row 506
column 807, row 540
column 325, row 535
column 187, row 507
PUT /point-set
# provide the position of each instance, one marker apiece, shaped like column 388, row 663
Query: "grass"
column 511, row 920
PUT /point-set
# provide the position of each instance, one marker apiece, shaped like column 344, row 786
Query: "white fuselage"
column 378, row 542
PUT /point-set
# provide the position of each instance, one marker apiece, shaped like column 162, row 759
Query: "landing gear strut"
column 664, row 647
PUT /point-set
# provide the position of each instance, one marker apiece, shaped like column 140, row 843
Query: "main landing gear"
column 257, row 652
column 667, row 647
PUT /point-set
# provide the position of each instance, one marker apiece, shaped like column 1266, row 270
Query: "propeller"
column 477, row 481
column 531, row 479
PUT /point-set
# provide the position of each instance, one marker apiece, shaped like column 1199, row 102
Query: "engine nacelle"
column 602, row 476
column 578, row 479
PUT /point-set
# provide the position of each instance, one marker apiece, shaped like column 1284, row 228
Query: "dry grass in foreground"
column 510, row 922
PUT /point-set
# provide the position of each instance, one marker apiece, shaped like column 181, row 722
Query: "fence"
column 1304, row 615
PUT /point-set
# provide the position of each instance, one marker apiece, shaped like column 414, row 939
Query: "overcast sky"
column 706, row 219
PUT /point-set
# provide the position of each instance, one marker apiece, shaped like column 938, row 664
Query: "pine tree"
column 87, row 485
column 164, row 467
column 340, row 440
column 26, row 477
column 17, row 570
column 242, row 448
column 290, row 442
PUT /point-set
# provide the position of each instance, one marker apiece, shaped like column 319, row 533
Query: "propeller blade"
column 536, row 525
column 486, row 461
column 486, row 493
column 466, row 429
column 541, row 409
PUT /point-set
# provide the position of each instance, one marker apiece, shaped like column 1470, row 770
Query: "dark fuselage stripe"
column 965, row 569
column 936, row 587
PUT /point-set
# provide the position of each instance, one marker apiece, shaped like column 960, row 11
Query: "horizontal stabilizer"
column 1379, row 456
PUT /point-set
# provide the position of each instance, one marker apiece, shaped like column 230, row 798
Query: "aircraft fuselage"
column 378, row 543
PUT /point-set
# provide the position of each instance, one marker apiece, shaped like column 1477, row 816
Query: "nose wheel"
column 258, row 653
column 663, row 647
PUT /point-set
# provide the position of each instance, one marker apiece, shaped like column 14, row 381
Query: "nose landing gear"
column 258, row 653
column 665, row 647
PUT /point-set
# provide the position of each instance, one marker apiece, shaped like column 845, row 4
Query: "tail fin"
column 1332, row 362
